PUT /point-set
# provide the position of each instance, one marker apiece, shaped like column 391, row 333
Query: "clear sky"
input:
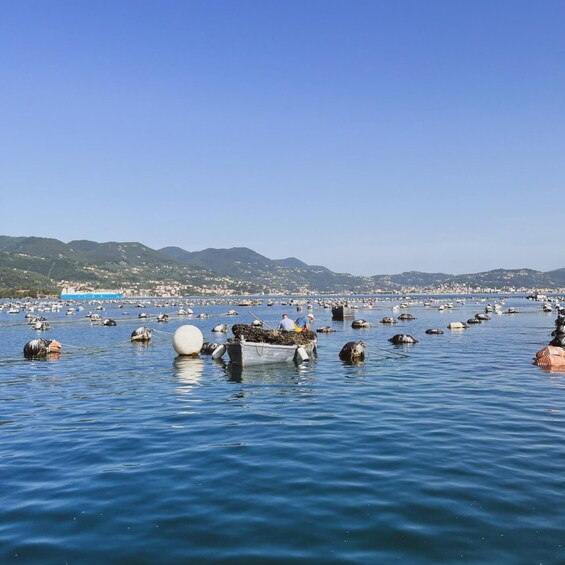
column 368, row 136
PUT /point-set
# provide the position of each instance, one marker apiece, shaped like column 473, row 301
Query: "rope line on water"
column 162, row 332
column 78, row 346
column 368, row 349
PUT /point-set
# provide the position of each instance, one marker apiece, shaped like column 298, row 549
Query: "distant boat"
column 72, row 294
column 342, row 312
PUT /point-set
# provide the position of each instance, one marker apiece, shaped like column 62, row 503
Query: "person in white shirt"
column 286, row 324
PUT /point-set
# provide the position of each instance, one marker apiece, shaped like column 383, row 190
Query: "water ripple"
column 449, row 452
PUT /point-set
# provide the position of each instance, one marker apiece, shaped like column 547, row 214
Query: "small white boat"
column 246, row 353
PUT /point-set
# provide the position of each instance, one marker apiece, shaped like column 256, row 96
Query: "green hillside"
column 36, row 265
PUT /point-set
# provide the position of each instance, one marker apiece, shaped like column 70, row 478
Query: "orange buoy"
column 550, row 350
column 551, row 362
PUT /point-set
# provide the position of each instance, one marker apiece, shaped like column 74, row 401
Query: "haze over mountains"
column 44, row 265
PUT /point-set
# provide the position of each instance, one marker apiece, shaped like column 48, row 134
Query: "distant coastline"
column 35, row 266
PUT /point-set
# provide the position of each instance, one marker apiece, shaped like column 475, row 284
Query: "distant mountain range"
column 35, row 265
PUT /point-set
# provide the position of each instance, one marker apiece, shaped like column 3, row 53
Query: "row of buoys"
column 355, row 351
column 187, row 340
column 42, row 348
column 477, row 319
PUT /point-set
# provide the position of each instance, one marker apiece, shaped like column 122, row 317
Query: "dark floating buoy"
column 325, row 330
column 41, row 348
column 208, row 347
column 406, row 317
column 163, row 318
column 141, row 334
column 353, row 352
column 109, row 322
column 388, row 320
column 434, row 331
column 357, row 324
column 401, row 339
column 559, row 332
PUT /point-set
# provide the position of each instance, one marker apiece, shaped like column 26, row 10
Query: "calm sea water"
column 448, row 451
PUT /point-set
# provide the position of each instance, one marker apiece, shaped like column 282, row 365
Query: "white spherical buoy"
column 188, row 340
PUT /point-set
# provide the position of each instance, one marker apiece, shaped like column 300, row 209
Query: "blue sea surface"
column 447, row 451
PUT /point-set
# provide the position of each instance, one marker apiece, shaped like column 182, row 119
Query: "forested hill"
column 31, row 265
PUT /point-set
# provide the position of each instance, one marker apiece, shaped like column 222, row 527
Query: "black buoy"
column 41, row 347
column 401, row 339
column 141, row 334
column 353, row 352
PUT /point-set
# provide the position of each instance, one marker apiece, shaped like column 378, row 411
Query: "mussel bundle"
column 260, row 335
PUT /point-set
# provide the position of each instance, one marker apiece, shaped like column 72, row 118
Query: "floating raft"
column 342, row 312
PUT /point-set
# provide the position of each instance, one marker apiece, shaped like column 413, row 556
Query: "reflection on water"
column 141, row 345
column 554, row 371
column 274, row 373
column 188, row 370
column 51, row 356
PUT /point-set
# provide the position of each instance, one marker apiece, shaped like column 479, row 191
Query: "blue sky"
column 370, row 137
